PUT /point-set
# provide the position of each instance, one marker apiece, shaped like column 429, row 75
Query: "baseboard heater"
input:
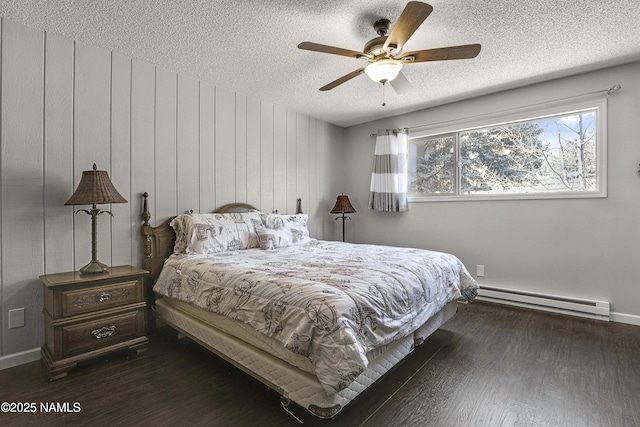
column 557, row 304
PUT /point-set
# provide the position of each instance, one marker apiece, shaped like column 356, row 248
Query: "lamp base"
column 94, row 267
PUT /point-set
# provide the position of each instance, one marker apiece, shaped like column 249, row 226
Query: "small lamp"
column 94, row 188
column 343, row 206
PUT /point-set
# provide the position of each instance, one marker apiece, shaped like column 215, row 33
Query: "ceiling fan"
column 384, row 52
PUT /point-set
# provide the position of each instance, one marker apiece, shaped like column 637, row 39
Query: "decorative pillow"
column 214, row 233
column 279, row 231
column 178, row 225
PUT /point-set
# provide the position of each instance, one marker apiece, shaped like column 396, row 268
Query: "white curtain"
column 388, row 191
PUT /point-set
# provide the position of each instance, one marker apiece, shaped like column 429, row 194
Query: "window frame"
column 597, row 102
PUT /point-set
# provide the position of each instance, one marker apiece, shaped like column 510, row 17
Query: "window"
column 558, row 154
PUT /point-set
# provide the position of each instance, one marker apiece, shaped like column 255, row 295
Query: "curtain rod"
column 609, row 91
column 389, row 130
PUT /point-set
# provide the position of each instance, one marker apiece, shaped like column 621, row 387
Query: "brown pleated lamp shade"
column 343, row 205
column 95, row 188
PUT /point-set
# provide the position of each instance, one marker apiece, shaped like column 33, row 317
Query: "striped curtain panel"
column 388, row 192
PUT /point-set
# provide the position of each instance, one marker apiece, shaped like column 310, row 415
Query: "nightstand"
column 90, row 315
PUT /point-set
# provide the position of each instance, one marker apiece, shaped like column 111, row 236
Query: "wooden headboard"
column 158, row 241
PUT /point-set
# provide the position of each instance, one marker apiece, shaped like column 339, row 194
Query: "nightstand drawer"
column 97, row 333
column 97, row 298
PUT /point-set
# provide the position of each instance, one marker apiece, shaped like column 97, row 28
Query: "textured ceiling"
column 250, row 46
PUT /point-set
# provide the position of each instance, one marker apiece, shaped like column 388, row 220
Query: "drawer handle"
column 103, row 332
column 105, row 296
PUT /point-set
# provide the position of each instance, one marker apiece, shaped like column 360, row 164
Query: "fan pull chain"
column 383, row 85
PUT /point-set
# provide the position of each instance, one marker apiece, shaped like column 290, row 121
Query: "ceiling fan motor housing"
column 374, row 47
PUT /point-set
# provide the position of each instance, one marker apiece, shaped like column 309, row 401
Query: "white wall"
column 574, row 247
column 191, row 145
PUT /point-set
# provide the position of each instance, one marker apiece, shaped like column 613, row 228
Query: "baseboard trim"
column 625, row 318
column 20, row 358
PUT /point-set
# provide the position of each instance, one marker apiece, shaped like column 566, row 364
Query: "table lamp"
column 94, row 188
column 343, row 206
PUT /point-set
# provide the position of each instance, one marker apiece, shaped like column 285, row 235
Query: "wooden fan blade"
column 342, row 79
column 442, row 54
column 401, row 84
column 410, row 19
column 315, row 47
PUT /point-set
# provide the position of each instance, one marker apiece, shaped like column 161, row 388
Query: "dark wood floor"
column 491, row 365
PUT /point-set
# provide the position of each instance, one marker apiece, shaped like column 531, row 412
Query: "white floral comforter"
column 329, row 301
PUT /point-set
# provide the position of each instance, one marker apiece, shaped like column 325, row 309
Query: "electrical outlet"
column 16, row 318
column 480, row 270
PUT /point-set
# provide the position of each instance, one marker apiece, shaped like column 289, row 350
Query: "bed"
column 317, row 321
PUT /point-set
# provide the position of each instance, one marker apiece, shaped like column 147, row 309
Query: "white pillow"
column 280, row 231
column 214, row 232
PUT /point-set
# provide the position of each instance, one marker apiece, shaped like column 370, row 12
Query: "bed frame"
column 290, row 382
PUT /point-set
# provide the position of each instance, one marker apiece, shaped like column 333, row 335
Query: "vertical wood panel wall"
column 191, row 145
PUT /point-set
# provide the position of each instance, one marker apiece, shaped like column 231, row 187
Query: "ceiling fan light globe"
column 384, row 69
